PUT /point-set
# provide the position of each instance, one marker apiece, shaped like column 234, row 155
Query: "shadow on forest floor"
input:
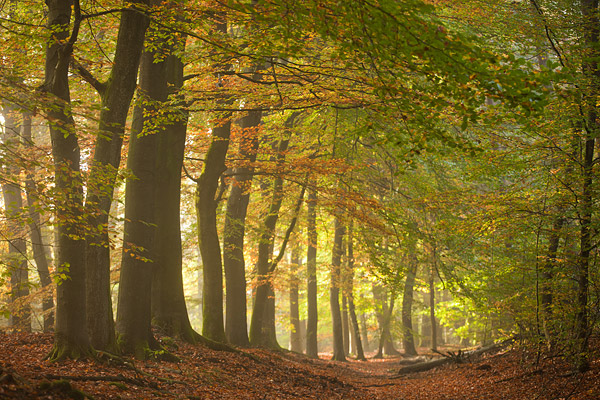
column 207, row 374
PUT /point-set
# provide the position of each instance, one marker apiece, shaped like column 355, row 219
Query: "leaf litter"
column 517, row 373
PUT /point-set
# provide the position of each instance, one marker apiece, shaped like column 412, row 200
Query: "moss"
column 119, row 385
column 65, row 387
column 66, row 349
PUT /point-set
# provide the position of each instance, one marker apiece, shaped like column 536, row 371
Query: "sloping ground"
column 259, row 374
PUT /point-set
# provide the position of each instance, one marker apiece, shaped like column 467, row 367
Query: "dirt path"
column 260, row 374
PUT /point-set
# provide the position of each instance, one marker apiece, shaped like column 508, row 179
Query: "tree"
column 334, row 290
column 35, row 227
column 135, row 284
column 311, row 276
column 360, row 355
column 13, row 203
column 169, row 310
column 116, row 94
column 295, row 330
column 408, row 340
column 236, row 327
column 70, row 338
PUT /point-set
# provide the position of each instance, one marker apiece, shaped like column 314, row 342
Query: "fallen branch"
column 452, row 358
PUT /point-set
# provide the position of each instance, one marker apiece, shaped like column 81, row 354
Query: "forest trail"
column 259, row 374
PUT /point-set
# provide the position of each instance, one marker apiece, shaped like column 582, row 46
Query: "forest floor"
column 512, row 373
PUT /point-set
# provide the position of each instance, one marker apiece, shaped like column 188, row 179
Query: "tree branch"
column 88, row 76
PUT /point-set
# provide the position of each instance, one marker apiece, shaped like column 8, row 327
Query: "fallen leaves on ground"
column 260, row 374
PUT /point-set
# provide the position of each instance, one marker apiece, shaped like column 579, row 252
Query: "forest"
column 269, row 199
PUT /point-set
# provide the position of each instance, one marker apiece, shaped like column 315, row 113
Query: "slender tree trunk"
column 434, row 327
column 261, row 331
column 334, row 291
column 206, row 207
column 345, row 324
column 311, row 277
column 364, row 332
column 360, row 355
column 13, row 204
column 37, row 241
column 135, row 285
column 295, row 334
column 262, row 327
column 207, row 184
column 70, row 338
column 408, row 338
column 236, row 327
column 116, row 97
column 548, row 271
column 384, row 318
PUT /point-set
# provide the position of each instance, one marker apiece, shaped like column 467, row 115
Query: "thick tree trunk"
column 334, row 291
column 236, row 327
column 311, row 277
column 70, row 338
column 116, row 98
column 13, row 205
column 37, row 242
column 408, row 338
column 591, row 37
column 135, row 285
column 169, row 310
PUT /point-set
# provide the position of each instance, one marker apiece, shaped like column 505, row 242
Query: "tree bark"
column 236, row 327
column 70, row 338
column 360, row 355
column 262, row 333
column 169, row 310
column 311, row 277
column 206, row 208
column 434, row 327
column 546, row 297
column 408, row 338
column 135, row 285
column 295, row 334
column 334, row 291
column 35, row 228
column 591, row 38
column 116, row 95
column 13, row 204
column 384, row 318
